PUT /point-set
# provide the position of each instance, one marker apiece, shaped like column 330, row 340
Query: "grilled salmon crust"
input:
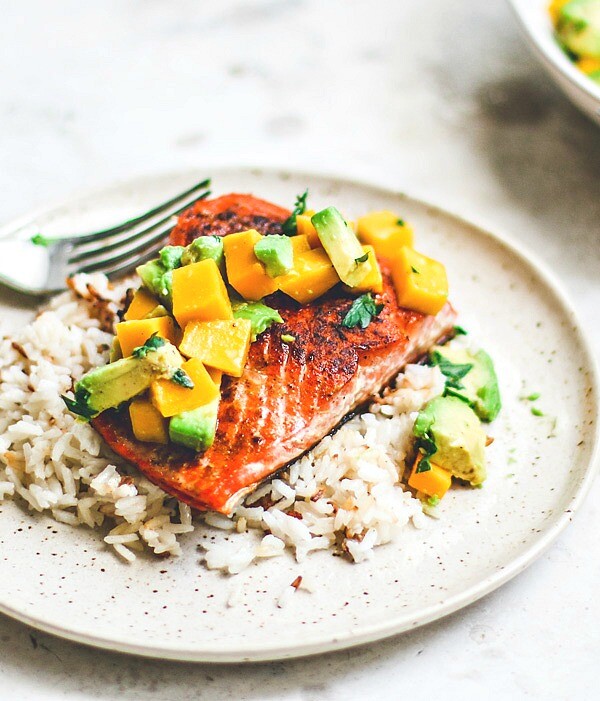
column 290, row 394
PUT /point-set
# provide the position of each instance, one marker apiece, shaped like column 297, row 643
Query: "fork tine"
column 155, row 238
column 146, row 216
column 93, row 252
column 131, row 263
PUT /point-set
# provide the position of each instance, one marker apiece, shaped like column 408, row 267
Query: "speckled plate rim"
column 316, row 644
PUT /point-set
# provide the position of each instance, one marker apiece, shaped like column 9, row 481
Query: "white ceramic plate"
column 63, row 580
column 536, row 23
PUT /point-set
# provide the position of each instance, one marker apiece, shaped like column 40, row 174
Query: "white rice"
column 344, row 495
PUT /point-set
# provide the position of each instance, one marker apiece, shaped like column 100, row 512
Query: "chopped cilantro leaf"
column 425, row 440
column 154, row 342
column 536, row 412
column 362, row 259
column 450, row 391
column 459, row 331
column 412, row 267
column 289, row 227
column 286, row 338
column 399, row 222
column 362, row 312
column 454, row 372
column 433, row 500
column 180, row 377
column 532, row 397
column 40, row 240
column 79, row 405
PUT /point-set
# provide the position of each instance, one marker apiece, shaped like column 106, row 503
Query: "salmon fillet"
column 290, row 395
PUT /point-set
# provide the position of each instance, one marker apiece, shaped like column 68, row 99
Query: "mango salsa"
column 555, row 8
column 215, row 375
column 421, row 283
column 312, row 276
column 143, row 303
column 147, row 423
column 300, row 244
column 305, row 227
column 385, row 231
column 435, row 481
column 223, row 345
column 588, row 65
column 171, row 398
column 199, row 293
column 136, row 332
column 246, row 274
column 373, row 282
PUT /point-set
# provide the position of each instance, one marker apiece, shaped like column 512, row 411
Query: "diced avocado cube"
column 170, row 256
column 204, row 247
column 158, row 311
column 479, row 385
column 260, row 315
column 578, row 27
column 110, row 385
column 342, row 246
column 195, row 429
column 453, row 428
column 158, row 280
column 276, row 253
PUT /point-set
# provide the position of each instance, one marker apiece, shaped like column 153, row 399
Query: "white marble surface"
column 444, row 102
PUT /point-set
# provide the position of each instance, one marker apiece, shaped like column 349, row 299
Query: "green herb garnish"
column 154, row 342
column 399, row 222
column 180, row 377
column 454, row 372
column 459, row 331
column 289, row 227
column 286, row 338
column 536, row 412
column 79, row 405
column 533, row 397
column 450, row 391
column 362, row 259
column 362, row 312
column 433, row 500
column 40, row 240
column 412, row 267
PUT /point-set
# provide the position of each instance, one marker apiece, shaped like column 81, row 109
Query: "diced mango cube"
column 435, row 481
column 215, row 375
column 305, row 227
column 223, row 345
column 588, row 64
column 136, row 332
column 199, row 293
column 147, row 422
column 171, row 398
column 421, row 283
column 385, row 231
column 555, row 8
column 143, row 303
column 373, row 282
column 312, row 276
column 300, row 244
column 246, row 274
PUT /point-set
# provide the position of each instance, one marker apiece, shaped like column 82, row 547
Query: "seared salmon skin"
column 291, row 394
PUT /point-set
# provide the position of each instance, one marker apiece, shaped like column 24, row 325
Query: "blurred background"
column 441, row 99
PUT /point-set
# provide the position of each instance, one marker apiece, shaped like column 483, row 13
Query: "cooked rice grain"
column 344, row 495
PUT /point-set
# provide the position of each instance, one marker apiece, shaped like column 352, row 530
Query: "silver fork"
column 39, row 266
